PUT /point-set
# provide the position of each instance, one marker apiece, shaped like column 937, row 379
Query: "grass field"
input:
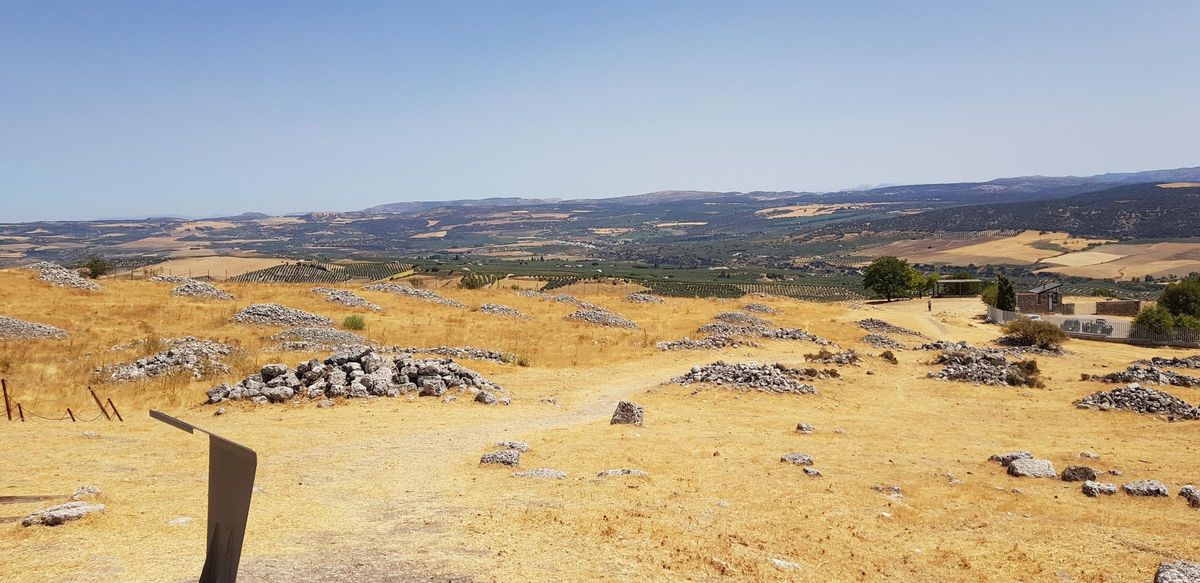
column 391, row 490
column 1027, row 247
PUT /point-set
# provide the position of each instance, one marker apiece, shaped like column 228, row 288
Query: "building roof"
column 1045, row 287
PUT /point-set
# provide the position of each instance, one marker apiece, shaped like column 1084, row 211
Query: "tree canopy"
column 889, row 277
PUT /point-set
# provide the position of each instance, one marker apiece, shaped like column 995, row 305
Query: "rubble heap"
column 1139, row 373
column 1141, row 399
column 345, row 297
column 358, row 372
column 198, row 357
column 987, row 367
column 57, row 275
column 773, row 378
column 877, row 325
column 200, row 289
column 14, row 329
column 278, row 315
column 643, row 298
column 502, row 310
column 412, row 292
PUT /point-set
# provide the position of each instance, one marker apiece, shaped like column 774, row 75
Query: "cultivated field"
column 1027, row 247
column 391, row 489
column 1124, row 261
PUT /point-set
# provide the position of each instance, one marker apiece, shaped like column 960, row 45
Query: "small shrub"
column 354, row 322
column 888, row 356
column 1040, row 333
column 97, row 267
column 1156, row 319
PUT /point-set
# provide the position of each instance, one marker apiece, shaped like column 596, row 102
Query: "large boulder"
column 1153, row 488
column 1093, row 489
column 1191, row 494
column 628, row 413
column 271, row 371
column 1078, row 474
column 1031, row 468
column 508, row 457
column 1007, row 458
column 1178, row 572
column 797, row 458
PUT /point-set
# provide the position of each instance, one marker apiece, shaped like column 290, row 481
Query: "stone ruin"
column 359, row 372
column 412, row 292
column 346, row 298
column 602, row 317
column 1140, row 399
column 278, row 315
column 198, row 358
column 505, row 311
column 771, row 378
column 643, row 298
column 313, row 339
column 201, row 289
column 877, row 325
column 1140, row 373
column 986, row 367
column 59, row 276
column 14, row 329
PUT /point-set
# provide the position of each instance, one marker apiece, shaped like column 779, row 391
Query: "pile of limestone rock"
column 881, row 341
column 467, row 352
column 505, row 311
column 197, row 357
column 175, row 279
column 14, row 329
column 772, row 378
column 1140, row 373
column 602, row 317
column 81, row 505
column 201, row 289
column 345, row 297
column 643, row 298
column 359, row 372
column 732, row 324
column 561, row 298
column 760, row 309
column 314, row 338
column 1173, row 362
column 707, row 343
column 985, row 367
column 1140, row 399
column 880, row 326
column 57, row 275
column 412, row 292
column 278, row 315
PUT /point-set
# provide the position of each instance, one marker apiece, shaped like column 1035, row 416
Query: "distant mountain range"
column 1021, row 188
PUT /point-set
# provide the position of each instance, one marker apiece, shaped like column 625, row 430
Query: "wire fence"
column 17, row 411
column 1107, row 329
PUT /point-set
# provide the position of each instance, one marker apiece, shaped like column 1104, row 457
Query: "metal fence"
column 1108, row 329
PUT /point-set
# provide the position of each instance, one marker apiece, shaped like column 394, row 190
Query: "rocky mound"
column 848, row 357
column 1142, row 400
column 357, row 372
column 60, row 276
column 643, row 298
column 1178, row 572
column 14, row 329
column 467, row 352
column 946, row 346
column 345, row 297
column 987, row 367
column 877, row 325
column 760, row 309
column 277, row 315
column 1139, row 373
column 412, row 292
column 198, row 357
column 175, row 279
column 502, row 310
column 309, row 339
column 741, row 319
column 200, row 289
column 602, row 317
column 708, row 343
column 1185, row 362
column 881, row 341
column 772, row 378
column 720, row 328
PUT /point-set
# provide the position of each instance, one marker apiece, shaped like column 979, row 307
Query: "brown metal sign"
column 231, row 470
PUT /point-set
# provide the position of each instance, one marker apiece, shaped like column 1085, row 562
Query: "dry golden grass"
column 1015, row 249
column 215, row 266
column 391, row 489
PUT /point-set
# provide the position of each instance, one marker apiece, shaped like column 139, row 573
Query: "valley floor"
column 391, row 490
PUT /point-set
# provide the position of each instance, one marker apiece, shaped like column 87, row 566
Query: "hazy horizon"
column 148, row 109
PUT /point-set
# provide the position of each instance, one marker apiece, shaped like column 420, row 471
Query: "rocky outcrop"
column 1141, row 400
column 412, row 292
column 772, row 378
column 278, row 315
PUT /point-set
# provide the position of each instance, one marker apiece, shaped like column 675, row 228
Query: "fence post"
column 21, row 412
column 71, row 414
column 7, row 406
column 115, row 412
column 99, row 404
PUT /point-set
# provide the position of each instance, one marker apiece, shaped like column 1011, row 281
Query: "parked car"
column 1098, row 326
column 1071, row 325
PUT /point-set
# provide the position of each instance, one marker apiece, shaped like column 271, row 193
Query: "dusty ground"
column 391, row 489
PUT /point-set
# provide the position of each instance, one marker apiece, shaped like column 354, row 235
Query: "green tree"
column 1006, row 294
column 988, row 293
column 1182, row 298
column 1156, row 319
column 97, row 266
column 888, row 276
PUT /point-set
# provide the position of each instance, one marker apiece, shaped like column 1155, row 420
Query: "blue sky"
column 116, row 108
